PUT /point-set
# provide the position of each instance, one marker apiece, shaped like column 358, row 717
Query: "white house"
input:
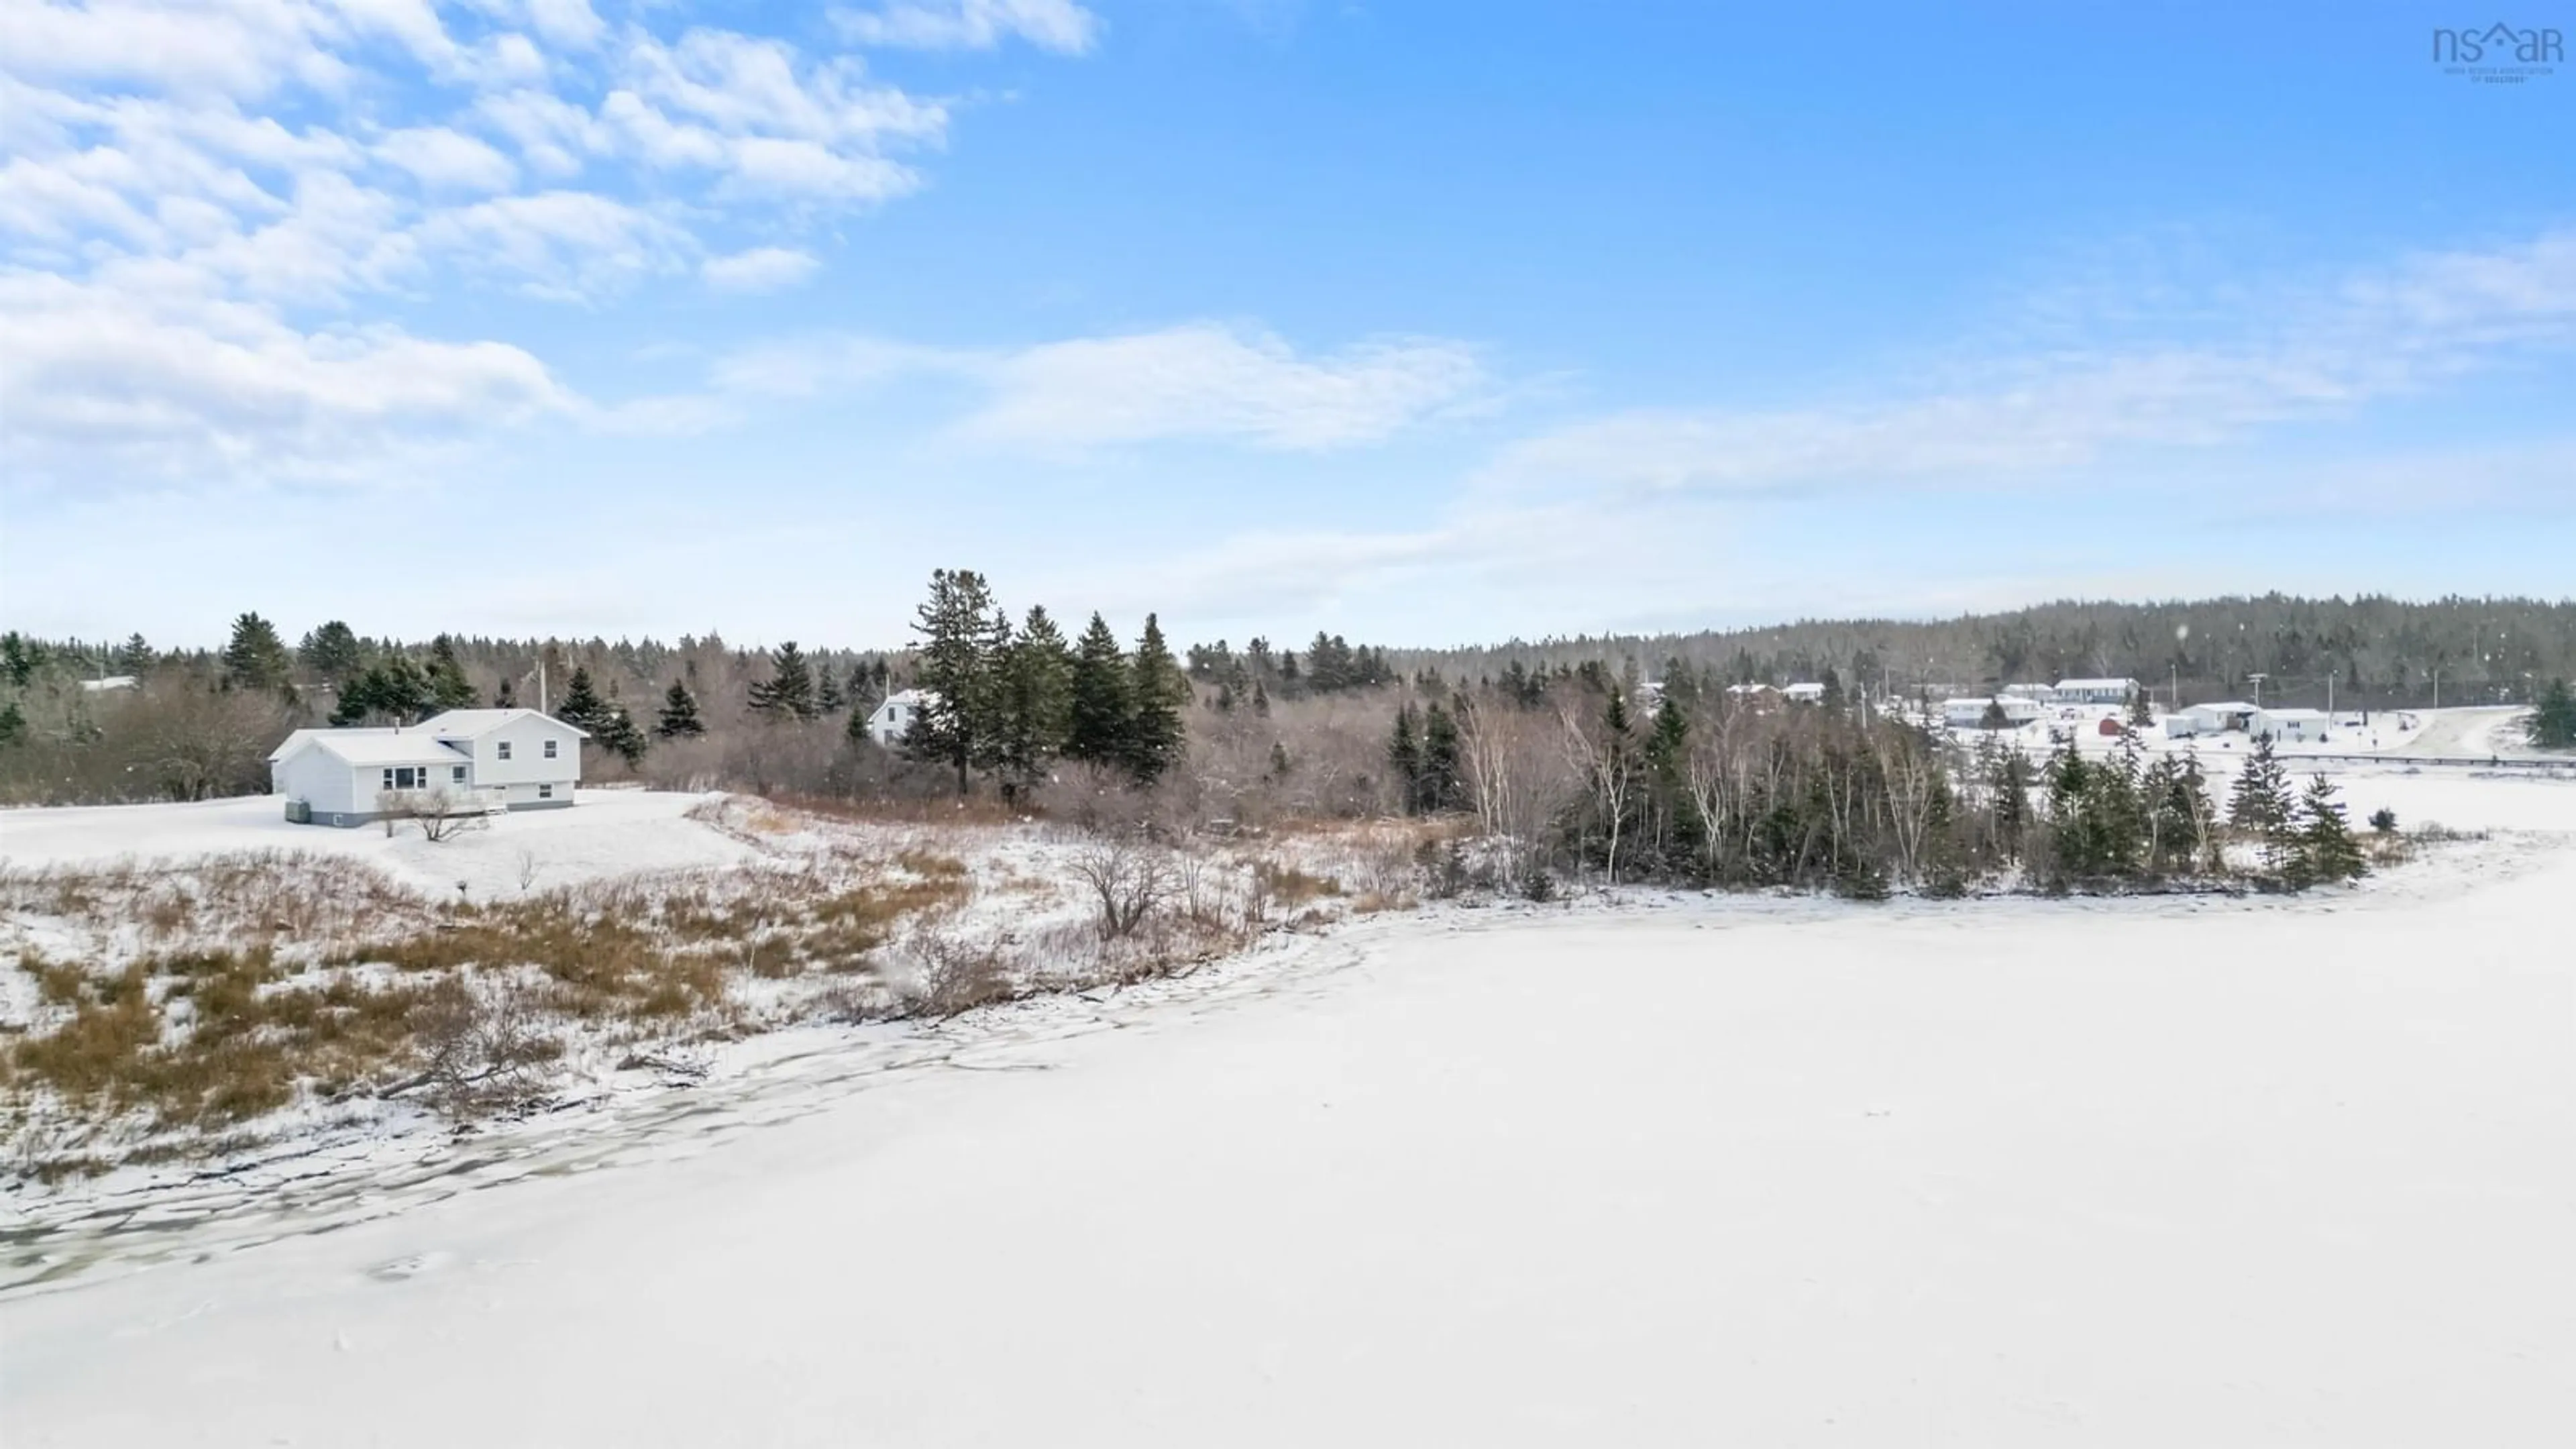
column 1969, row 714
column 2303, row 725
column 109, row 683
column 1804, row 692
column 480, row 759
column 2092, row 691
column 893, row 719
column 2228, row 716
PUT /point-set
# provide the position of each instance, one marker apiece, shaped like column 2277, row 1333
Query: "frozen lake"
column 1987, row 1174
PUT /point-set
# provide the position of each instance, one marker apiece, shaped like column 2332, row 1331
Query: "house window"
column 407, row 777
column 456, row 774
column 505, row 749
column 550, row 749
column 545, row 792
column 389, row 779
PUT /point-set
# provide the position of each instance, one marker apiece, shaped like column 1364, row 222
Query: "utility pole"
column 2257, row 680
column 2437, row 686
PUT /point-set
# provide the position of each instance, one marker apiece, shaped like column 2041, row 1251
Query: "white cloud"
column 287, row 163
column 1198, row 381
column 568, row 244
column 446, row 160
column 2376, row 336
column 168, row 386
column 1057, row 25
column 761, row 269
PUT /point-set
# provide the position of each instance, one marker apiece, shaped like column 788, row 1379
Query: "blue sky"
column 1423, row 323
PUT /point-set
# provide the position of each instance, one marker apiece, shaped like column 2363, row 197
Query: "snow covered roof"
column 466, row 724
column 372, row 746
column 108, row 682
column 2073, row 684
column 2225, row 706
column 918, row 698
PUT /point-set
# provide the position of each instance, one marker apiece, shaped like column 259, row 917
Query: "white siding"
column 316, row 775
column 527, row 765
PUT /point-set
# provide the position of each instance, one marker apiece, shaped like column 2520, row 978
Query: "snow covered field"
column 1681, row 1170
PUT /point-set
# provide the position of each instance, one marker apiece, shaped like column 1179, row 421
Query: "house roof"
column 921, row 697
column 2097, row 684
column 372, row 746
column 467, row 724
column 2224, row 706
column 2301, row 714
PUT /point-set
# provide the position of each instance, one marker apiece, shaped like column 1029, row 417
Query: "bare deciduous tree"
column 1127, row 880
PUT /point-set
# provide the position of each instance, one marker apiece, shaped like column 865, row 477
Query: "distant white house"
column 893, row 719
column 2042, row 693
column 2286, row 725
column 109, row 682
column 2092, row 691
column 1804, row 692
column 1969, row 714
column 478, row 759
column 2228, row 716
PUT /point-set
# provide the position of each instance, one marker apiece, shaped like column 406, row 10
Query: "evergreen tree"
column 788, row 692
column 2553, row 719
column 448, row 686
column 1260, row 698
column 1833, row 699
column 619, row 736
column 1404, row 760
column 1037, row 705
column 828, row 698
column 2260, row 801
column 507, row 695
column 330, row 653
column 1156, row 691
column 679, row 717
column 255, row 658
column 393, row 690
column 2326, row 850
column 13, row 724
column 20, row 658
column 963, row 637
column 136, row 657
column 582, row 708
column 1443, row 784
column 1097, row 713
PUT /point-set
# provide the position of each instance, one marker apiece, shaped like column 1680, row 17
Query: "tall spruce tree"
column 330, row 652
column 136, row 656
column 1443, row 784
column 963, row 635
column 448, row 686
column 582, row 708
column 1096, row 714
column 1037, row 705
column 1157, row 690
column 1404, row 760
column 788, row 692
column 619, row 736
column 255, row 658
column 2326, row 850
column 828, row 696
column 679, row 718
column 2553, row 718
column 2260, row 801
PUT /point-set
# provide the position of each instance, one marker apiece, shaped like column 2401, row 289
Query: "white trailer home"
column 2305, row 726
column 2092, row 691
column 475, row 760
column 1969, row 714
column 2224, row 717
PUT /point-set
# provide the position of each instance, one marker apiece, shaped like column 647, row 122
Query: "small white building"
column 109, row 683
column 2040, row 693
column 1969, row 714
column 476, row 759
column 2305, row 726
column 2093, row 691
column 1804, row 692
column 893, row 719
column 2229, row 716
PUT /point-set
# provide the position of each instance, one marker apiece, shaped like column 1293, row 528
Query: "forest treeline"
column 1555, row 751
